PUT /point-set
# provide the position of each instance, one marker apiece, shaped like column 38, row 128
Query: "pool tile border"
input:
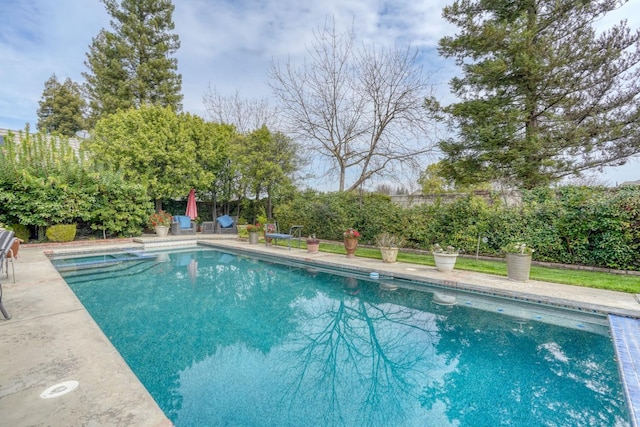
column 626, row 339
column 624, row 328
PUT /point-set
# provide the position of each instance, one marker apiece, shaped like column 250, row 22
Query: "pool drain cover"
column 59, row 389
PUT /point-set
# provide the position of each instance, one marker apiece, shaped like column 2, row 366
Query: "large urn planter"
column 445, row 262
column 445, row 258
column 389, row 245
column 161, row 230
column 253, row 237
column 313, row 245
column 351, row 242
column 350, row 246
column 389, row 255
column 518, row 267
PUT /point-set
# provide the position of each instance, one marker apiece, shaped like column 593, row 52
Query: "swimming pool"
column 220, row 339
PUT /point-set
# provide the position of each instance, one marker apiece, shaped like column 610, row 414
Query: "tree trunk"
column 214, row 207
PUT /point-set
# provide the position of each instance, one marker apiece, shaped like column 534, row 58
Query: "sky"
column 225, row 44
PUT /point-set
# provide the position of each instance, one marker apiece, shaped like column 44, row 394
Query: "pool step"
column 101, row 261
column 121, row 269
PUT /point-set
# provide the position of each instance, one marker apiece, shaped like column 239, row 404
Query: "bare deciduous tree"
column 246, row 115
column 360, row 108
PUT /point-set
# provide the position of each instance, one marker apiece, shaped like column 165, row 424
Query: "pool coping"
column 47, row 315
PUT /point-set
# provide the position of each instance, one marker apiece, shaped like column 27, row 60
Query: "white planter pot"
column 389, row 255
column 445, row 262
column 253, row 238
column 518, row 267
column 162, row 231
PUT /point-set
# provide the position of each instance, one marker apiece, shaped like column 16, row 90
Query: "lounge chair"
column 2, row 309
column 7, row 239
column 271, row 232
column 182, row 224
column 226, row 224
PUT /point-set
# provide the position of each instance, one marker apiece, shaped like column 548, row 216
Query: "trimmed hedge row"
column 43, row 182
column 593, row 226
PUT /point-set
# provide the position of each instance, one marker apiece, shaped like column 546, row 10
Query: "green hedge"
column 62, row 232
column 44, row 182
column 575, row 225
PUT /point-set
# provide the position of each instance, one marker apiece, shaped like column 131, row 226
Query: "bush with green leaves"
column 328, row 215
column 577, row 225
column 22, row 232
column 44, row 182
column 62, row 232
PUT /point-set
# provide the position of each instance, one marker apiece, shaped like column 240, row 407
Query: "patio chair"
column 182, row 224
column 6, row 241
column 226, row 224
column 2, row 309
column 271, row 232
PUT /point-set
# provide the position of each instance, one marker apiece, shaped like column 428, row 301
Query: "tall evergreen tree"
column 543, row 94
column 61, row 107
column 132, row 65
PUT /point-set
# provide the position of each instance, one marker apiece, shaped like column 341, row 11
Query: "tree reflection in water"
column 365, row 361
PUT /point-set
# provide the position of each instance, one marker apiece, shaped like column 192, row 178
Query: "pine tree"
column 61, row 107
column 132, row 65
column 543, row 94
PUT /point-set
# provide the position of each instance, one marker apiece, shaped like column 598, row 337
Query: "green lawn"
column 592, row 279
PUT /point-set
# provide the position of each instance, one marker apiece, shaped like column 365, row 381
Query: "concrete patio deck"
column 51, row 338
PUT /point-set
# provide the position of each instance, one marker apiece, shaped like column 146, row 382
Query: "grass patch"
column 590, row 279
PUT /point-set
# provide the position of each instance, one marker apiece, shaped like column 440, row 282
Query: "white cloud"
column 227, row 44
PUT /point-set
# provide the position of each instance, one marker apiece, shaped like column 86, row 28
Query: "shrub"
column 61, row 232
column 22, row 232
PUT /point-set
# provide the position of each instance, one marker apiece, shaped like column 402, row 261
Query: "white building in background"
column 73, row 141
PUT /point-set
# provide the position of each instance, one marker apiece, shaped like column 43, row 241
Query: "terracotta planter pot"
column 518, row 267
column 313, row 246
column 389, row 255
column 445, row 262
column 350, row 245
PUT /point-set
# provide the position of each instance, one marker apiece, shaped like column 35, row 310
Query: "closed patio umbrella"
column 192, row 209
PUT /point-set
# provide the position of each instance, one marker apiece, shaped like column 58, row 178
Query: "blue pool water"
column 225, row 340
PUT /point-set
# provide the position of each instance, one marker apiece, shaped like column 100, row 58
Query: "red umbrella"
column 192, row 209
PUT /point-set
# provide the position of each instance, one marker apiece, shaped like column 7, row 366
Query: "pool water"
column 220, row 339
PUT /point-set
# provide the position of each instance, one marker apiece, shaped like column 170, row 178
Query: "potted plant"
column 254, row 230
column 351, row 241
column 445, row 258
column 269, row 228
column 313, row 244
column 160, row 221
column 389, row 245
column 199, row 222
column 518, row 256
